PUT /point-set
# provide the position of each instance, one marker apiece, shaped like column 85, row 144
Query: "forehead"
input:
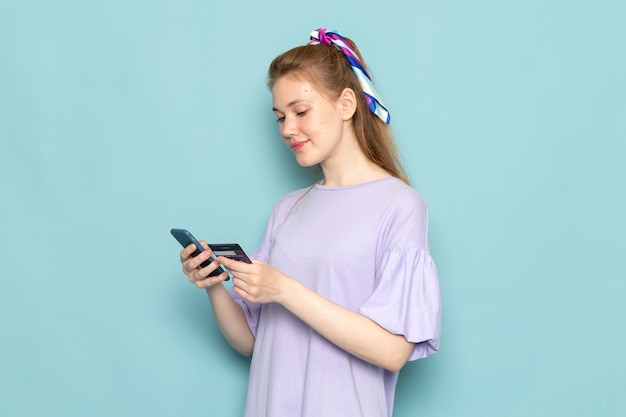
column 287, row 90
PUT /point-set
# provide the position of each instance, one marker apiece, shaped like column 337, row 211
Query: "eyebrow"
column 291, row 104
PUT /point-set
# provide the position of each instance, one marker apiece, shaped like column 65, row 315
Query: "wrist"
column 213, row 289
column 288, row 292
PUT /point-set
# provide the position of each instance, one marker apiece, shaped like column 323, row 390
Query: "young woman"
column 343, row 290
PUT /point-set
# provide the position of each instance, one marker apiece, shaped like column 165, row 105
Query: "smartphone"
column 230, row 250
column 185, row 238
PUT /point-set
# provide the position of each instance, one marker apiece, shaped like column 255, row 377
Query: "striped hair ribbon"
column 331, row 37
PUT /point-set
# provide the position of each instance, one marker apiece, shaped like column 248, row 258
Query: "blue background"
column 122, row 119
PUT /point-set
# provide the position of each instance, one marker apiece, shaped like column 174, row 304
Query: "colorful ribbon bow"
column 331, row 37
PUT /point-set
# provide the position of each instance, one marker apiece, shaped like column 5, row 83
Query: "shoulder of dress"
column 404, row 195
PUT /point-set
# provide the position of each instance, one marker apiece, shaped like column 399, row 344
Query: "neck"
column 348, row 165
column 354, row 169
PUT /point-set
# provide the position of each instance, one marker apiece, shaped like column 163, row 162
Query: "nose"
column 288, row 128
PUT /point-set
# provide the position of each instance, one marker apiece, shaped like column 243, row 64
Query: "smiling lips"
column 295, row 146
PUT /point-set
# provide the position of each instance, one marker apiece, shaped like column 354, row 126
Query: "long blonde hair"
column 328, row 70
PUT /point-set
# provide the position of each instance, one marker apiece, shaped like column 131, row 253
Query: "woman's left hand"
column 353, row 332
column 258, row 282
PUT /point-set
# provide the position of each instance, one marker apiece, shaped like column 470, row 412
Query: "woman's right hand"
column 228, row 314
column 197, row 275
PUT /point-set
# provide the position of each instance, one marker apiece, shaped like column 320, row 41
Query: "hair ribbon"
column 374, row 102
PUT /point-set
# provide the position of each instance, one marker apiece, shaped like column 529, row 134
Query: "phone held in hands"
column 185, row 238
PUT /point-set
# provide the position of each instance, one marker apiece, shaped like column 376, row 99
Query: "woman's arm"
column 351, row 331
column 231, row 319
column 229, row 315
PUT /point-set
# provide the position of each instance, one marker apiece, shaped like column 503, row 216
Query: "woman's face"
column 311, row 125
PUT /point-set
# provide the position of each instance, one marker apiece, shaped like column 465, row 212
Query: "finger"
column 186, row 252
column 206, row 246
column 240, row 287
column 233, row 265
column 210, row 281
column 208, row 269
column 196, row 261
column 241, row 293
column 202, row 273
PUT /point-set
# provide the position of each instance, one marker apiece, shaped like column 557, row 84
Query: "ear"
column 347, row 101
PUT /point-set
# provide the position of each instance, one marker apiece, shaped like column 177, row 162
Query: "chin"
column 307, row 162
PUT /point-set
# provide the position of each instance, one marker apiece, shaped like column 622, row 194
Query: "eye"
column 302, row 113
column 280, row 120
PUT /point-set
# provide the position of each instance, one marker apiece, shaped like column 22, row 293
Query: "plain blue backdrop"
column 122, row 119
